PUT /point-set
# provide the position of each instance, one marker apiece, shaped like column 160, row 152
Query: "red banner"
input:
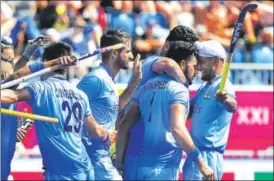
column 252, row 124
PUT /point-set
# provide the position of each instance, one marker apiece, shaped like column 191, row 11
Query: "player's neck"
column 51, row 75
column 112, row 68
column 219, row 71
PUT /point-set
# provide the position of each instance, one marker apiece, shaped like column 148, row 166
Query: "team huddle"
column 148, row 118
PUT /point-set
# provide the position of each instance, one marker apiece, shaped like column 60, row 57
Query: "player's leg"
column 104, row 169
column 191, row 171
column 5, row 162
column 89, row 175
column 158, row 173
column 131, row 168
column 4, row 171
column 215, row 161
column 85, row 175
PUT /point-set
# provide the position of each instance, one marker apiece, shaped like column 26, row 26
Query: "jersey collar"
column 108, row 70
column 60, row 77
column 214, row 80
column 186, row 84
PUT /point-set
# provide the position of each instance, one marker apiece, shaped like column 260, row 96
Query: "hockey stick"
column 56, row 67
column 235, row 37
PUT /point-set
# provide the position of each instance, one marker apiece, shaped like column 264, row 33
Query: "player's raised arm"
column 37, row 66
column 183, row 137
column 170, row 67
column 136, row 77
column 32, row 45
column 132, row 116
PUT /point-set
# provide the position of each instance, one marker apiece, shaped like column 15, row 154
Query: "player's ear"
column 182, row 64
column 221, row 61
column 115, row 53
column 218, row 61
column 165, row 48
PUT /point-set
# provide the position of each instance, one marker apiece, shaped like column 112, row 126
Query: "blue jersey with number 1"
column 159, row 147
column 60, row 144
column 136, row 131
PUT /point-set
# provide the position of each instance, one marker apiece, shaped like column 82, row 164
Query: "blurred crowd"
column 81, row 23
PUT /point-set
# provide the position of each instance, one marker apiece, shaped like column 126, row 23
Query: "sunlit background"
column 249, row 154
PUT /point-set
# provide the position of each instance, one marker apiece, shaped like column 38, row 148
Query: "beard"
column 123, row 64
column 188, row 77
column 207, row 75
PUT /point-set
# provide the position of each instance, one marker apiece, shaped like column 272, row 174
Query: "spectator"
column 170, row 9
column 77, row 40
column 123, row 6
column 144, row 6
column 186, row 17
column 7, row 19
column 91, row 15
column 47, row 17
column 214, row 18
column 148, row 44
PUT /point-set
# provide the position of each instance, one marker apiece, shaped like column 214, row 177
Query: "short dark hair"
column 181, row 50
column 182, row 33
column 56, row 50
column 113, row 36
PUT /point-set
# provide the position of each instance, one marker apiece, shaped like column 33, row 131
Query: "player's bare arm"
column 24, row 71
column 132, row 116
column 183, row 137
column 136, row 77
column 95, row 130
column 170, row 67
column 9, row 96
column 226, row 99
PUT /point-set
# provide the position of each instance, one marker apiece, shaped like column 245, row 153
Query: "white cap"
column 210, row 48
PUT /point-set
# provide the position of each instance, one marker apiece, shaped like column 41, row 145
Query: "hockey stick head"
column 239, row 24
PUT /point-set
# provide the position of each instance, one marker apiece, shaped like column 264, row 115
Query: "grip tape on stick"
column 29, row 116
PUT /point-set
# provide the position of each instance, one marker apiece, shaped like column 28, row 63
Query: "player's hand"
column 137, row 69
column 222, row 97
column 66, row 60
column 226, row 99
column 112, row 136
column 21, row 133
column 40, row 41
column 208, row 173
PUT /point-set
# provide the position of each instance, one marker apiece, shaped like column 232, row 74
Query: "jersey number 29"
column 76, row 110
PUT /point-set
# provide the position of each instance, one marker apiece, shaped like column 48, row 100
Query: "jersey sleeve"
column 87, row 110
column 91, row 86
column 38, row 93
column 36, row 66
column 147, row 68
column 178, row 94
